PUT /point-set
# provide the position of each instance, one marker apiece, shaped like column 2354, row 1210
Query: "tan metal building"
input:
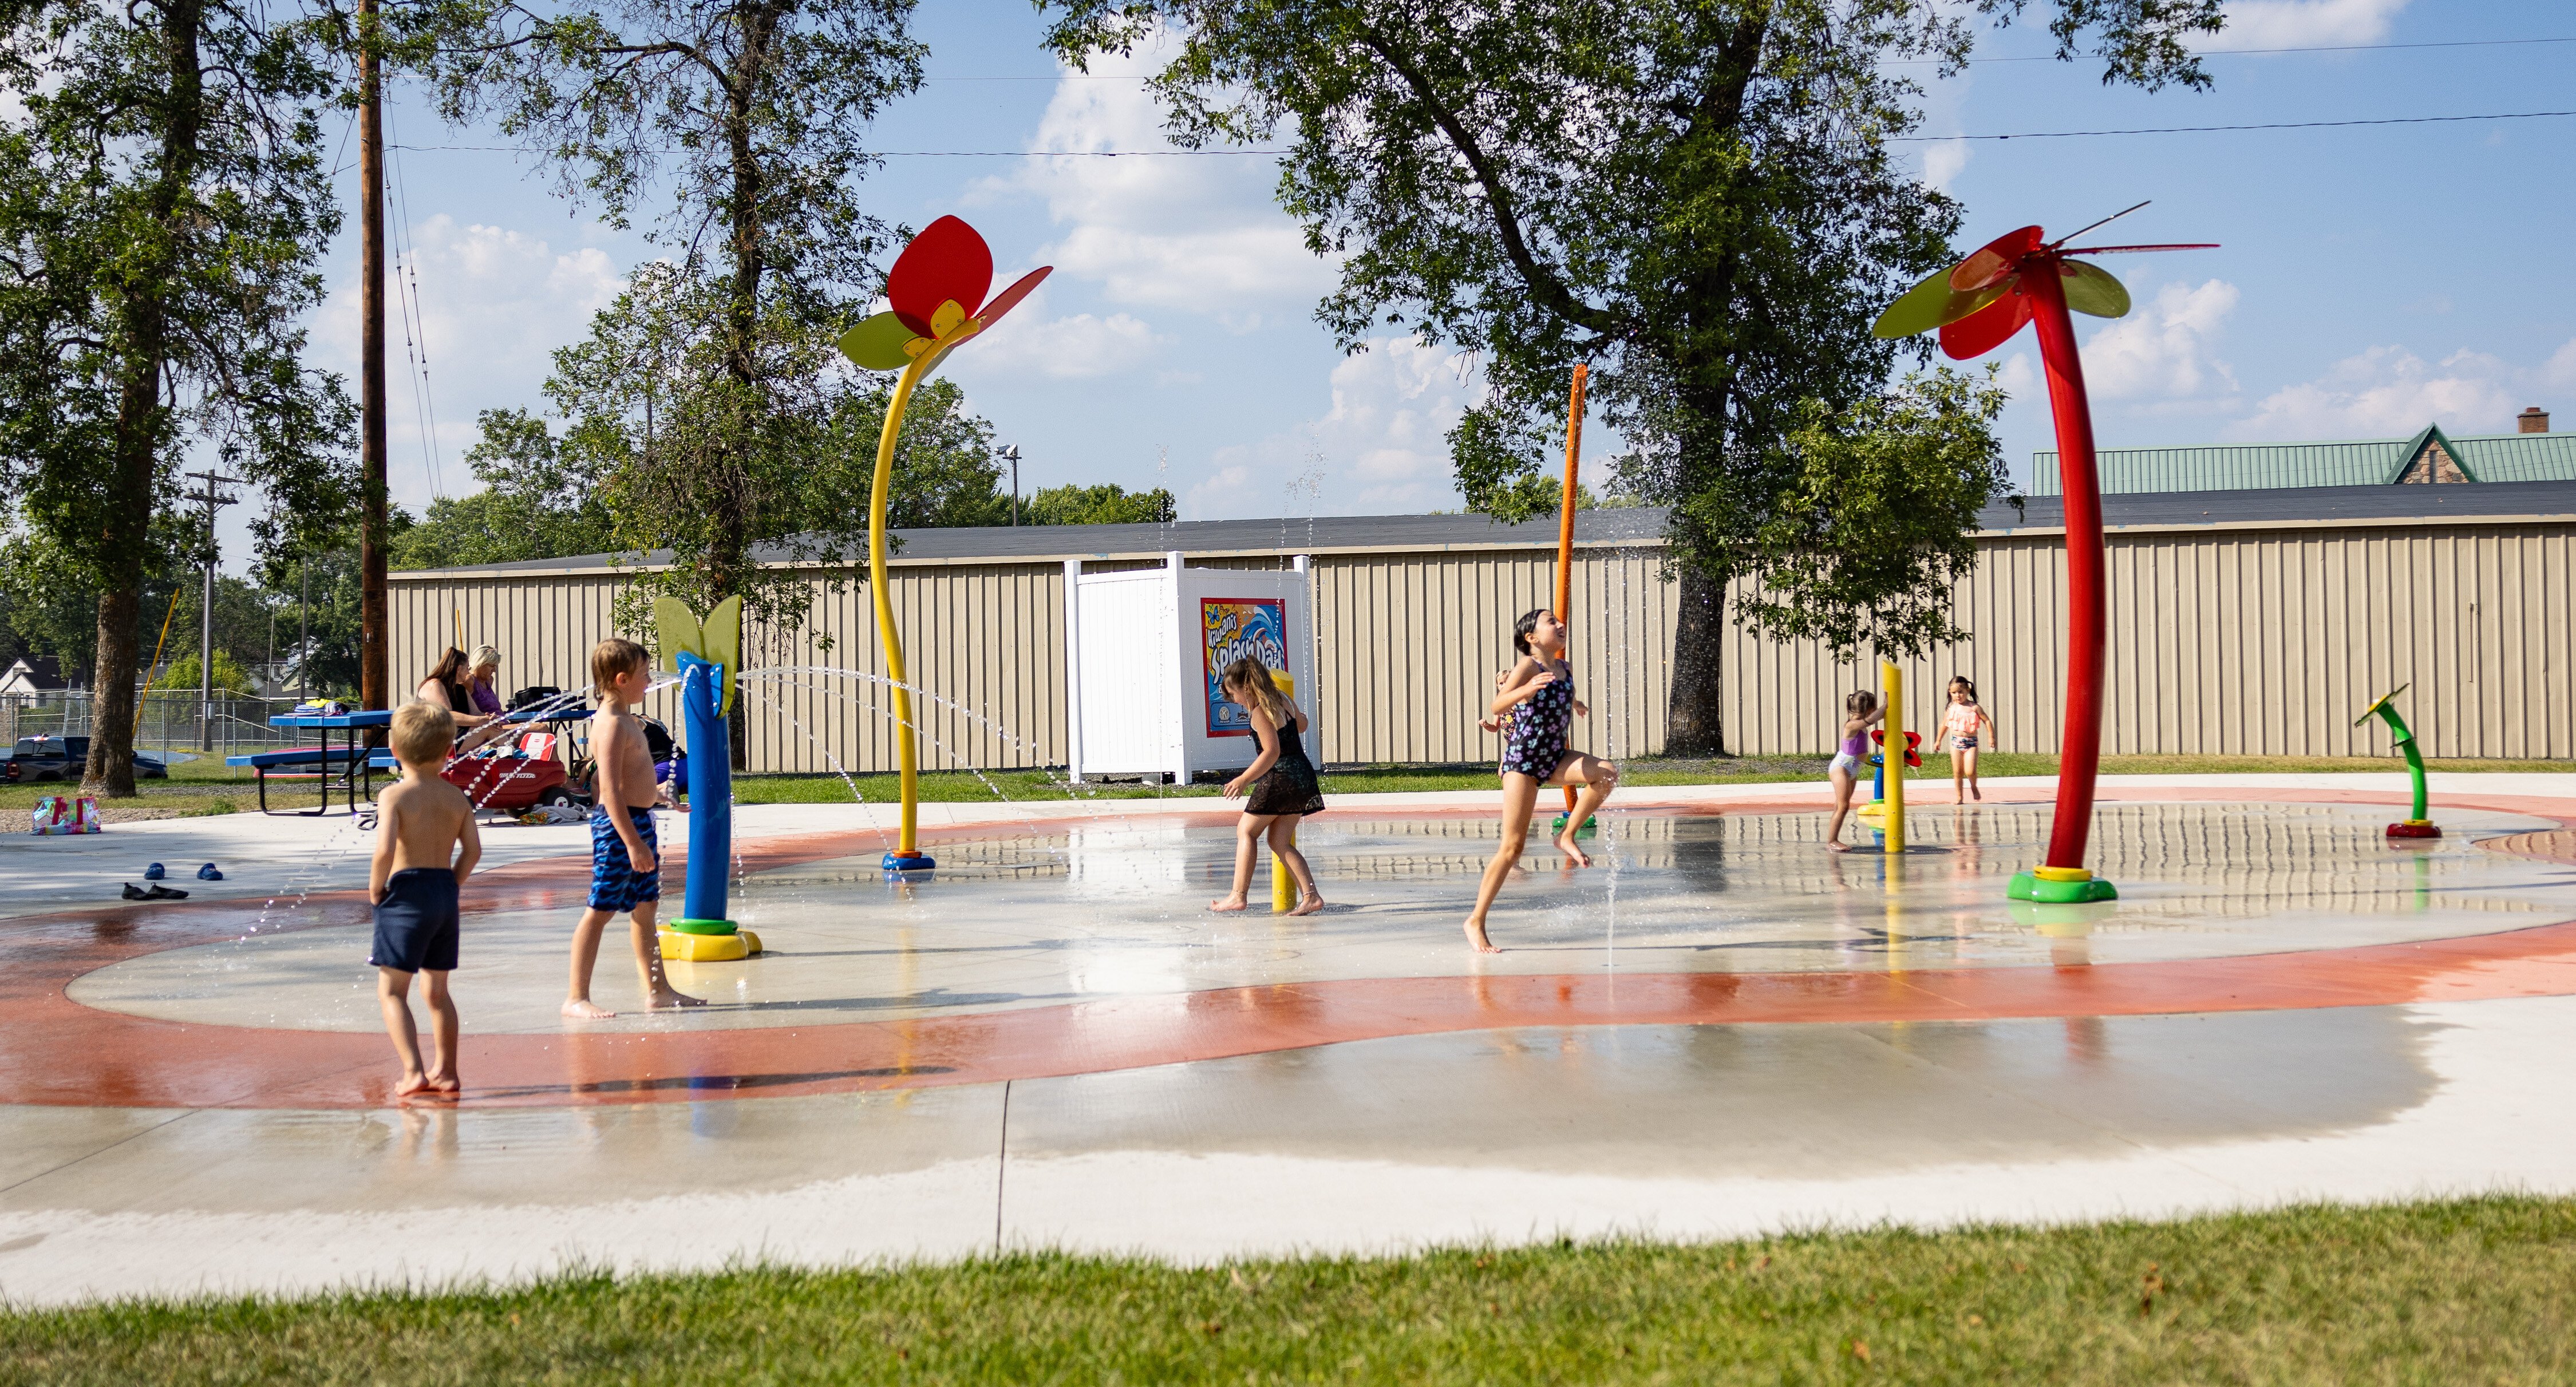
column 2243, row 622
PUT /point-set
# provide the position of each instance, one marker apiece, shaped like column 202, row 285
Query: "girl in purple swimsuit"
column 1860, row 712
column 1538, row 696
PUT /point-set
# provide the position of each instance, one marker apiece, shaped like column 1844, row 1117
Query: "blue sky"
column 2372, row 279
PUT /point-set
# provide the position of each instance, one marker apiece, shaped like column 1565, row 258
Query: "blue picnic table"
column 351, row 766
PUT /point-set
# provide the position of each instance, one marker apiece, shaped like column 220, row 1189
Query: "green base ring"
column 2027, row 886
column 1591, row 828
column 700, row 926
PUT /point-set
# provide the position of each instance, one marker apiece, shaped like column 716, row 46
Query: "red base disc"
column 2413, row 830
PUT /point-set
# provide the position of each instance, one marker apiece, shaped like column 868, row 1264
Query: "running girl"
column 1281, row 781
column 1860, row 712
column 1961, row 724
column 1538, row 693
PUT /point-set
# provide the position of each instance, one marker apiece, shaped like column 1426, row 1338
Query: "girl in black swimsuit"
column 1536, row 695
column 1282, row 785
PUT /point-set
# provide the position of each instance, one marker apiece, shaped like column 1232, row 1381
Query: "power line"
column 1891, row 139
column 1973, row 62
column 2214, row 129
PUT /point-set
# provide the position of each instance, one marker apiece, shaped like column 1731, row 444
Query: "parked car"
column 63, row 758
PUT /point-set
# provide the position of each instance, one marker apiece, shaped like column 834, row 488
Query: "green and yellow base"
column 2060, row 886
column 707, row 941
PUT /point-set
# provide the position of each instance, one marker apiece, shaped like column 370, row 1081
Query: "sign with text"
column 1230, row 628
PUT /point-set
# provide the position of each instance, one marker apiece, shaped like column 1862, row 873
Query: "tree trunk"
column 110, row 771
column 126, row 539
column 1697, row 725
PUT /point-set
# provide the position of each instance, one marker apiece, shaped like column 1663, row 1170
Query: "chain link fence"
column 169, row 722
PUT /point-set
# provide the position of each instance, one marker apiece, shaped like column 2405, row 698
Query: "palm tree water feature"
column 2418, row 822
column 934, row 292
column 1977, row 306
column 708, row 657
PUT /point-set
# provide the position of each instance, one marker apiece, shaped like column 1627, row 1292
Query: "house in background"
column 36, row 676
column 2530, row 454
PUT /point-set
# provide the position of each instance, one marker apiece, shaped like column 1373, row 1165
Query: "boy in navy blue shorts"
column 426, row 846
column 625, row 872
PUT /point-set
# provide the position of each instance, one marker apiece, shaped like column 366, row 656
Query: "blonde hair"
column 613, row 659
column 483, row 656
column 422, row 732
column 1247, row 673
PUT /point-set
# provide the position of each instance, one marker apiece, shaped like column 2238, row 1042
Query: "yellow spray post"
column 936, row 294
column 1283, row 887
column 1892, row 755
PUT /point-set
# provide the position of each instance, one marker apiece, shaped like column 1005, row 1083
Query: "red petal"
column 1009, row 299
column 1995, row 259
column 946, row 261
column 1987, row 328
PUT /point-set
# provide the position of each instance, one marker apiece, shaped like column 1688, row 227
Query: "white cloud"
column 2303, row 23
column 1381, row 449
column 1082, row 347
column 2389, row 392
column 494, row 304
column 1944, row 162
column 2163, row 351
column 1196, row 231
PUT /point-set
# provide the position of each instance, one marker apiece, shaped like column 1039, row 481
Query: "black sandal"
column 160, row 892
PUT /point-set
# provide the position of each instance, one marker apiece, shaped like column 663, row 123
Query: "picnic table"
column 355, row 760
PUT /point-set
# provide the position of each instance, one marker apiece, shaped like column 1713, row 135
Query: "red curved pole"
column 2080, row 750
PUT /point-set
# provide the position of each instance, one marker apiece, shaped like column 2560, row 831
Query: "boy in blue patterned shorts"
column 625, row 873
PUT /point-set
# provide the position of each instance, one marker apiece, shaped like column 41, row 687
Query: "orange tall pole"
column 1565, row 516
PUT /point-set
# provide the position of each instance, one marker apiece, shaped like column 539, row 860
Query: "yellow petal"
column 916, row 346
column 945, row 321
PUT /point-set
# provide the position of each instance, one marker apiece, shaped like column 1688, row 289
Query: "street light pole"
column 1012, row 452
column 206, row 615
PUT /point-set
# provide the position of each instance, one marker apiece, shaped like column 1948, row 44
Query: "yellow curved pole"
column 887, row 636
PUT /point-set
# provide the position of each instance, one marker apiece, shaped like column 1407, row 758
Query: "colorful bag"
column 57, row 814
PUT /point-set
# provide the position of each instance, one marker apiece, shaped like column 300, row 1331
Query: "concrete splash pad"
column 1101, row 925
column 1721, row 1029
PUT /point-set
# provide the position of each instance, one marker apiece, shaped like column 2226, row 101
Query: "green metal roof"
column 2504, row 457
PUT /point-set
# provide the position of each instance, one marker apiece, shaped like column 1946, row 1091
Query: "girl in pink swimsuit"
column 1860, row 712
column 1961, row 723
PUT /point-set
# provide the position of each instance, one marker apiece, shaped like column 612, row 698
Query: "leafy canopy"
column 1697, row 197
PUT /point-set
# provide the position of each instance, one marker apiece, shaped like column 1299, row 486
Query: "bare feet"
column 1976, row 794
column 1476, row 939
column 668, row 1000
column 1838, row 845
column 1224, row 905
column 1573, row 854
column 1312, row 905
column 412, row 1085
column 447, row 1084
column 584, row 1009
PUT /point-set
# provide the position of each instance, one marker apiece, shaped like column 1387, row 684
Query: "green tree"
column 536, row 503
column 712, row 384
column 163, row 200
column 1107, row 504
column 1697, row 197
column 231, row 680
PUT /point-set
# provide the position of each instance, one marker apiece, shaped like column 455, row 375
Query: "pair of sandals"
column 207, row 872
column 158, row 892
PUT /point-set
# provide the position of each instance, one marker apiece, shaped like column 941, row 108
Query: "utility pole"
column 1012, row 452
column 206, row 614
column 304, row 631
column 374, row 669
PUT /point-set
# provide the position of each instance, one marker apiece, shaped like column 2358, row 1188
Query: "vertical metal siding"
column 2261, row 642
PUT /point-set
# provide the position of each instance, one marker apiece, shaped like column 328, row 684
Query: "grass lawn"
column 2471, row 1291
column 202, row 786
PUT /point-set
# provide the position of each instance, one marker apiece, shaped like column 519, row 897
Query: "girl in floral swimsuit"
column 1538, row 695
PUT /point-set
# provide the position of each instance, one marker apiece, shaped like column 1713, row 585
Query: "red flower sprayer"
column 2021, row 277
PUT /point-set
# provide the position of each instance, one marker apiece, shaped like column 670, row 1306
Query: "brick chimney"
column 2533, row 420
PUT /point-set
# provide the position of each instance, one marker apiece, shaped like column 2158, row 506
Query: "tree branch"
column 1542, row 282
